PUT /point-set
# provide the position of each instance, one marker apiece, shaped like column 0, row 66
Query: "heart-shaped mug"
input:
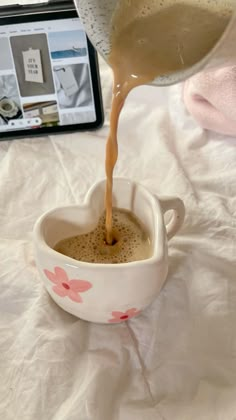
column 106, row 293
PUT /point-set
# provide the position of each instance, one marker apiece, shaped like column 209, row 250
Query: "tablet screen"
column 45, row 75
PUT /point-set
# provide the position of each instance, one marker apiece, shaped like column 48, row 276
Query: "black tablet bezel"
column 94, row 67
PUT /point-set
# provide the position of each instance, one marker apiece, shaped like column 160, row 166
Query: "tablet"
column 49, row 76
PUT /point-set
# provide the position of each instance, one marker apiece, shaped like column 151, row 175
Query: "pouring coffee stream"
column 120, row 93
column 148, row 46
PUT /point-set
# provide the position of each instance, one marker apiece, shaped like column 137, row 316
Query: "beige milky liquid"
column 151, row 38
column 131, row 242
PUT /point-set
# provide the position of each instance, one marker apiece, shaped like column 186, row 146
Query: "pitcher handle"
column 178, row 208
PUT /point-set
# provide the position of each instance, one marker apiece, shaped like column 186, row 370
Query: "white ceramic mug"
column 106, row 293
column 96, row 16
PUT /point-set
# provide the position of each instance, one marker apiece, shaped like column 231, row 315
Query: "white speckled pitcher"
column 96, row 16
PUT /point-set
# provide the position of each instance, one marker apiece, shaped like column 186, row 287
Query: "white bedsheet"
column 177, row 361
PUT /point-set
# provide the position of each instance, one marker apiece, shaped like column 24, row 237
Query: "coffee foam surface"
column 132, row 242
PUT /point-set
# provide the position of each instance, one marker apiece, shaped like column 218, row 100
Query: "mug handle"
column 177, row 220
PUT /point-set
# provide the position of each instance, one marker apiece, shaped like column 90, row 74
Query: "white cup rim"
column 159, row 230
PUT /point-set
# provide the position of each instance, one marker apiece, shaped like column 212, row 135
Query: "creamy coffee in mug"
column 131, row 242
column 150, row 38
column 108, row 293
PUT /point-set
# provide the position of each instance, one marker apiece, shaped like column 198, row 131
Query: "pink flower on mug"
column 123, row 316
column 66, row 287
